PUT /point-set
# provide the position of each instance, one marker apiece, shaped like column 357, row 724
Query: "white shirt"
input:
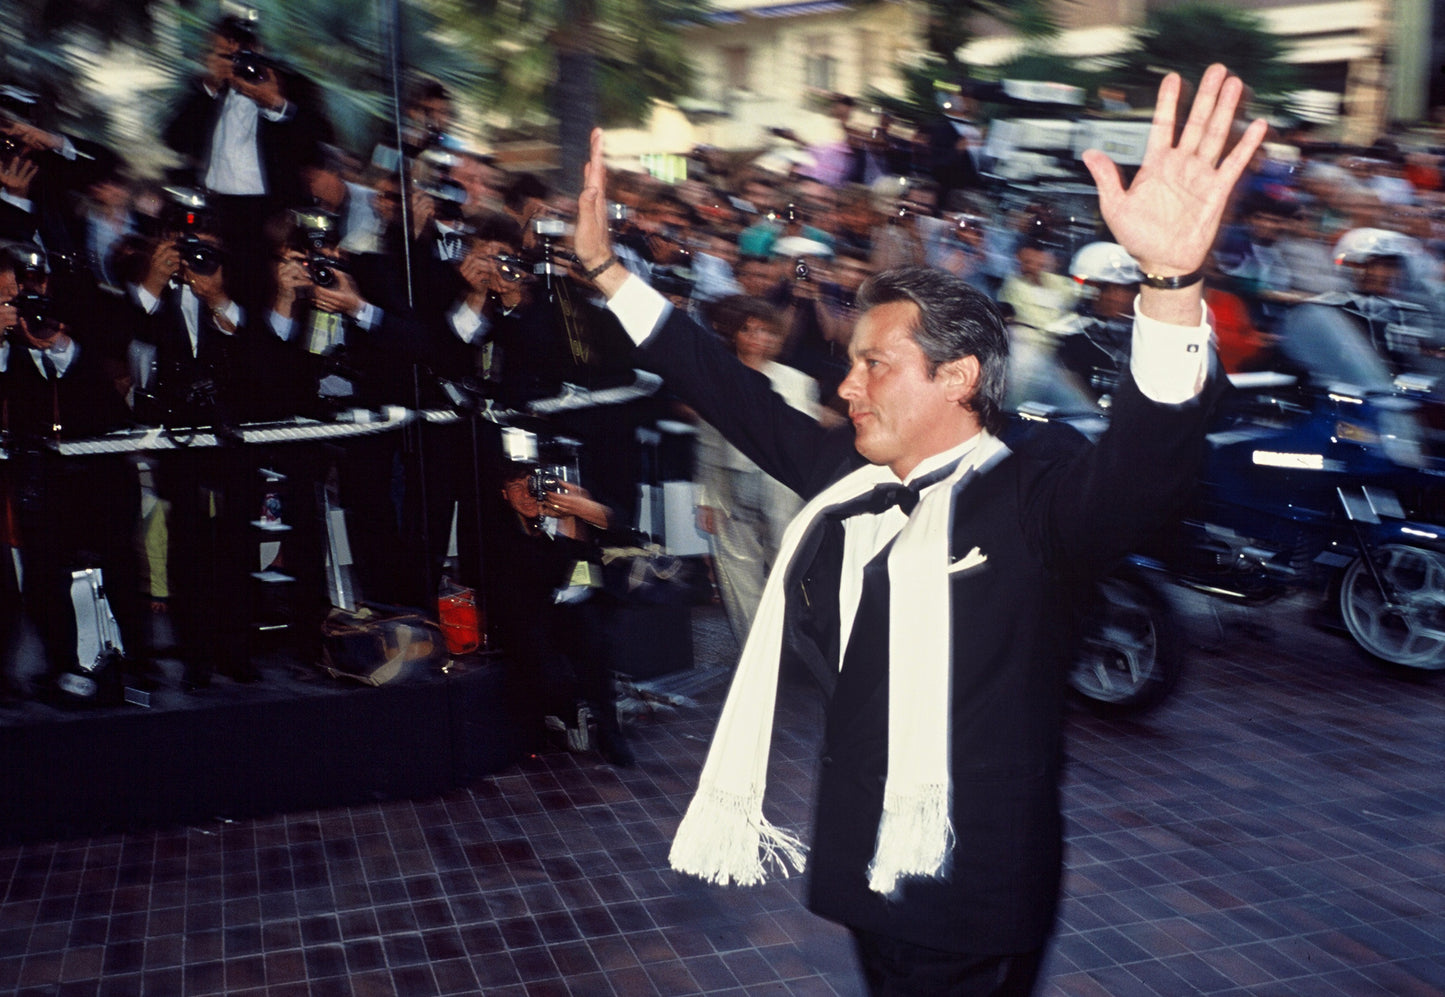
column 235, row 165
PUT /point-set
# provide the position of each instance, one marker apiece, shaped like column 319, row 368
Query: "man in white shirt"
column 245, row 140
column 926, row 582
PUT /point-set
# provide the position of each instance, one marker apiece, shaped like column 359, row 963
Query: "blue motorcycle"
column 1307, row 485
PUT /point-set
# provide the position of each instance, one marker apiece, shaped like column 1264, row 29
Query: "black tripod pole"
column 413, row 445
column 394, row 64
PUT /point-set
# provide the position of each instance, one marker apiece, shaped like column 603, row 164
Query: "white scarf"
column 723, row 836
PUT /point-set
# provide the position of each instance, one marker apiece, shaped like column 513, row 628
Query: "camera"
column 34, row 309
column 801, row 270
column 319, row 229
column 323, row 270
column 965, row 224
column 250, row 67
column 549, row 228
column 543, row 481
column 200, row 257
column 511, row 268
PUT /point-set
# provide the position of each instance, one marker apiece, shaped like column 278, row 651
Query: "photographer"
column 45, row 178
column 72, row 512
column 244, row 138
column 543, row 609
column 198, row 376
column 486, row 334
column 329, row 350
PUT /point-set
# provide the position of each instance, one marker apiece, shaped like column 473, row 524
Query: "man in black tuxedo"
column 926, row 582
column 244, row 127
column 72, row 512
column 186, row 320
column 337, row 339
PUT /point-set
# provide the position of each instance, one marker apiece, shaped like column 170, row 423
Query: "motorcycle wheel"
column 1127, row 662
column 1410, row 634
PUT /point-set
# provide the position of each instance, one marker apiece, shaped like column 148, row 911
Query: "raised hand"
column 17, row 174
column 591, row 240
column 1169, row 215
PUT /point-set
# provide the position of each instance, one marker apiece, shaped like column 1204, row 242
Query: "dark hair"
column 514, row 470
column 494, row 227
column 235, row 29
column 428, row 89
column 728, row 315
column 523, row 187
column 954, row 321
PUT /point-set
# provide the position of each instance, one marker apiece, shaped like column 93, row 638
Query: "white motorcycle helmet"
column 1361, row 244
column 1104, row 263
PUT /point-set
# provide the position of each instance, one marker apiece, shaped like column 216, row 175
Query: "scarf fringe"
column 915, row 838
column 723, row 838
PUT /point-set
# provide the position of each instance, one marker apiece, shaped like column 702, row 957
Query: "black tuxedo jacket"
column 376, row 361
column 194, row 389
column 1046, row 516
column 86, row 398
column 283, row 146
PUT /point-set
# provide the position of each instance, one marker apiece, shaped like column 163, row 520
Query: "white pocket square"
column 972, row 559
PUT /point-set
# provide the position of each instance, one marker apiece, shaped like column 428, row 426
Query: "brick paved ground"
column 1277, row 828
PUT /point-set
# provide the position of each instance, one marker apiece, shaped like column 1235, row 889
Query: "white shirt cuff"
column 467, row 324
column 283, row 326
column 23, row 203
column 1169, row 362
column 639, row 308
column 282, row 113
column 232, row 313
column 368, row 316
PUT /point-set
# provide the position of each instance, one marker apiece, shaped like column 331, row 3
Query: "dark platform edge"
column 235, row 752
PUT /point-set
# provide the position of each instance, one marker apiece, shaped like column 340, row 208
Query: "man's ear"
column 960, row 378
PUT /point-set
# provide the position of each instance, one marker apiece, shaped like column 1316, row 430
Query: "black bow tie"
column 885, row 496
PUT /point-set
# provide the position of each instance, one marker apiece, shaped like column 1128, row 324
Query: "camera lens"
column 248, row 66
column 34, row 310
column 321, row 272
column 510, row 268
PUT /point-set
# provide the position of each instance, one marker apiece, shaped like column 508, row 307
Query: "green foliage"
column 946, row 30
column 639, row 55
column 1189, row 37
column 1048, row 67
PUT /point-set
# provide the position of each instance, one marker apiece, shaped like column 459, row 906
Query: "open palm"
column 1169, row 215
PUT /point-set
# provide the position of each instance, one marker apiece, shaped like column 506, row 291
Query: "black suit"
column 374, row 363
column 282, row 147
column 1045, row 516
column 209, row 490
column 73, row 511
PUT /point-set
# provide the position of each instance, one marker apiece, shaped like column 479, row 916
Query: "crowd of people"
column 276, row 275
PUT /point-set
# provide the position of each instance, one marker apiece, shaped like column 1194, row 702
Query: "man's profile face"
column 900, row 414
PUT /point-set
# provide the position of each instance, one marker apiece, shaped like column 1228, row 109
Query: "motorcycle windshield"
column 1330, row 346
